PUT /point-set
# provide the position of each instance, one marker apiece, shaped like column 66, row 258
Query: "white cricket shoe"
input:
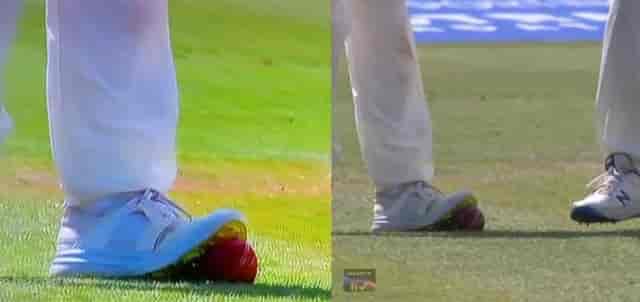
column 137, row 234
column 616, row 193
column 417, row 206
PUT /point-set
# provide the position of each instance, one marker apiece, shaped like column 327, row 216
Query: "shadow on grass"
column 187, row 288
column 502, row 234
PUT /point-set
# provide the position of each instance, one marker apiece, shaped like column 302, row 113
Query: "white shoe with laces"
column 137, row 234
column 417, row 206
column 616, row 193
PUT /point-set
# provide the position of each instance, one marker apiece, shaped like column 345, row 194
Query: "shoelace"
column 166, row 206
column 427, row 191
column 164, row 214
column 606, row 183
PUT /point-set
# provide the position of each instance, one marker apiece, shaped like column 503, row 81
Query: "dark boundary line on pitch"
column 500, row 234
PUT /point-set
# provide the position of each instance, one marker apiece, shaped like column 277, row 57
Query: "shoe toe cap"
column 589, row 214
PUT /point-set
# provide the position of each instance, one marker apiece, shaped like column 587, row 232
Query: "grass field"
column 514, row 123
column 254, row 135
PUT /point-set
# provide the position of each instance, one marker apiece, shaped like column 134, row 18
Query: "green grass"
column 254, row 135
column 514, row 123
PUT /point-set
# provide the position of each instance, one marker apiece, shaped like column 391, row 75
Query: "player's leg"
column 339, row 27
column 9, row 12
column 616, row 194
column 112, row 96
column 113, row 108
column 393, row 121
column 392, row 118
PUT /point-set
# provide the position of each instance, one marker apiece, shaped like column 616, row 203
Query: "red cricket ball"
column 469, row 219
column 231, row 260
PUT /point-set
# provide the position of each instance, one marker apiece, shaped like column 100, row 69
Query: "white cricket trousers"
column 393, row 123
column 618, row 97
column 111, row 93
column 112, row 96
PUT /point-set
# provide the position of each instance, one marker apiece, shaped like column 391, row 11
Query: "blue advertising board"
column 462, row 21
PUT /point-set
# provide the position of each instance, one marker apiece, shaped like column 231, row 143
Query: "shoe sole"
column 189, row 266
column 447, row 223
column 587, row 215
